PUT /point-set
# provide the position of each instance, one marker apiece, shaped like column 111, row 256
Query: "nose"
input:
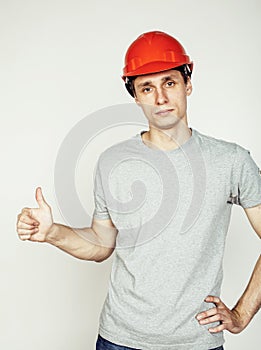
column 161, row 97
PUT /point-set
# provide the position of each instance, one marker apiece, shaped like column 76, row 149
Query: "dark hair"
column 184, row 70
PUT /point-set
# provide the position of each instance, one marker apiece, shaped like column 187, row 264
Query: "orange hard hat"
column 154, row 52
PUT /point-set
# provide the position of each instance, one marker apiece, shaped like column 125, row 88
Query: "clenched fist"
column 33, row 224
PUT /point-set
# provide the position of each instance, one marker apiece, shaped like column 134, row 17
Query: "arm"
column 236, row 319
column 94, row 243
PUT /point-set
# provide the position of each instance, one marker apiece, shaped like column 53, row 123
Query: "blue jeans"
column 103, row 344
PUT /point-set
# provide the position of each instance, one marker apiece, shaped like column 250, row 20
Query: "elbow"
column 99, row 260
column 103, row 254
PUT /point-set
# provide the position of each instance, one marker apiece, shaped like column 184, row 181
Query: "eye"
column 170, row 83
column 146, row 90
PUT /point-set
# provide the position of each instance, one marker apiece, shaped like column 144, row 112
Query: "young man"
column 169, row 231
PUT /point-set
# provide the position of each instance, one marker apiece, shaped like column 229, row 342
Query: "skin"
column 163, row 99
column 236, row 319
column 95, row 243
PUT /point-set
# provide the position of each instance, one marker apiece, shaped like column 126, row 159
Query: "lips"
column 163, row 112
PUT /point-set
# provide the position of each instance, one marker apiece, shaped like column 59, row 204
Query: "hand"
column 33, row 224
column 229, row 319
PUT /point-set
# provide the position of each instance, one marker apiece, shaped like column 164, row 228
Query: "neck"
column 167, row 139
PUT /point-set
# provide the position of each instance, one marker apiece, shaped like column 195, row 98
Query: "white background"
column 60, row 61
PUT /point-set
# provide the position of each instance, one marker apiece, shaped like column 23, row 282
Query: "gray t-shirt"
column 172, row 211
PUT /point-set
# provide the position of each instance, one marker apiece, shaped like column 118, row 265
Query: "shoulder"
column 220, row 147
column 119, row 151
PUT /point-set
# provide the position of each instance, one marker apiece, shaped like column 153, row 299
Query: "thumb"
column 40, row 198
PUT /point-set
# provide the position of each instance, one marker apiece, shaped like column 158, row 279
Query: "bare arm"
column 95, row 243
column 236, row 319
column 250, row 302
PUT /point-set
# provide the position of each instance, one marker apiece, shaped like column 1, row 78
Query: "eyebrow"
column 149, row 82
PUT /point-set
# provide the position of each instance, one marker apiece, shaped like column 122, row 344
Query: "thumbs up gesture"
column 33, row 224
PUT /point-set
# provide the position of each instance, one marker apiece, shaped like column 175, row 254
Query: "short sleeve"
column 246, row 179
column 100, row 209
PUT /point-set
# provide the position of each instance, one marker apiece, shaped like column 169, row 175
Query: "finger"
column 27, row 211
column 215, row 318
column 28, row 220
column 217, row 329
column 18, row 219
column 40, row 198
column 25, row 237
column 25, row 226
column 213, row 299
column 22, row 231
column 207, row 313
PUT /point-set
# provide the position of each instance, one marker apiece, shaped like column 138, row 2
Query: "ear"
column 188, row 87
column 137, row 101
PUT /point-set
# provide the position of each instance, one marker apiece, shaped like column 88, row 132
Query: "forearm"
column 250, row 301
column 81, row 243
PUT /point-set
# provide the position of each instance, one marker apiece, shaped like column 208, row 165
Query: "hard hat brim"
column 153, row 67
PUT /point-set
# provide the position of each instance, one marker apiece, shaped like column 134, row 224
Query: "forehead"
column 158, row 77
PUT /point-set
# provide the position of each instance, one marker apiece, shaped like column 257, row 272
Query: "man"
column 169, row 230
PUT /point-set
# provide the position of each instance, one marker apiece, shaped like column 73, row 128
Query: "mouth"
column 164, row 112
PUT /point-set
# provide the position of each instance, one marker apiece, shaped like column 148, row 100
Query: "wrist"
column 243, row 316
column 52, row 235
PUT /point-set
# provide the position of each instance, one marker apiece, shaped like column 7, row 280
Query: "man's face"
column 163, row 97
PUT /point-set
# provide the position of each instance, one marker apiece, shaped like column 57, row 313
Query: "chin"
column 165, row 126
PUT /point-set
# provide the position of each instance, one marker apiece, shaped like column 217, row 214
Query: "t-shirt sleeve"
column 246, row 179
column 100, row 207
